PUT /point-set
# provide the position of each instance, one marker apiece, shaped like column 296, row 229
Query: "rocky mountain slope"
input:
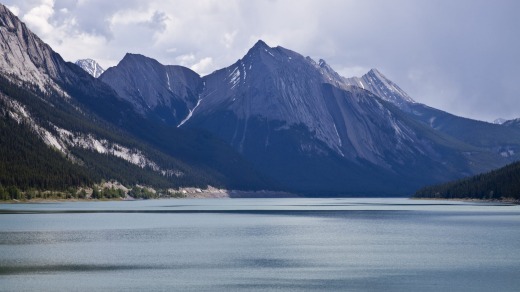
column 95, row 130
column 157, row 91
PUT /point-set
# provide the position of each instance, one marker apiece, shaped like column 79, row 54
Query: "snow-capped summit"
column 499, row 121
column 91, row 67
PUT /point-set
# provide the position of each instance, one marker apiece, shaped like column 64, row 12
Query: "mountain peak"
column 377, row 74
column 261, row 44
column 6, row 17
column 166, row 92
column 377, row 83
column 132, row 56
column 499, row 121
column 90, row 66
column 385, row 88
column 375, row 71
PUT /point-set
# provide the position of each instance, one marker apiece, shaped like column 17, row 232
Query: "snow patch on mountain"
column 234, row 77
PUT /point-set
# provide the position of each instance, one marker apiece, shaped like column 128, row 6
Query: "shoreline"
column 234, row 194
column 192, row 194
column 509, row 201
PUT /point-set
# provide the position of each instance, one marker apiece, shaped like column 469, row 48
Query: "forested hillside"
column 497, row 184
column 28, row 163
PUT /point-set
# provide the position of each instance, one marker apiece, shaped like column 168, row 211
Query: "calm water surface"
column 260, row 245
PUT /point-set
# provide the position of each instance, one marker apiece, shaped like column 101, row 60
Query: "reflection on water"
column 261, row 245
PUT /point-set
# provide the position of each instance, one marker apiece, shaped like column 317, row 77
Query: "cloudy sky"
column 461, row 56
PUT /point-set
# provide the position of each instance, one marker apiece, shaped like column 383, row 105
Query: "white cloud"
column 38, row 17
column 355, row 71
column 130, row 16
column 185, row 60
column 14, row 9
column 229, row 39
column 203, row 66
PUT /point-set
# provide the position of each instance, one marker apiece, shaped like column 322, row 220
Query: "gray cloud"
column 459, row 56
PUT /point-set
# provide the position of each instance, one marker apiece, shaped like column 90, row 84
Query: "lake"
column 294, row 244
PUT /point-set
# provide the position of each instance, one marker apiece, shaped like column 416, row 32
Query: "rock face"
column 91, row 67
column 24, row 56
column 165, row 92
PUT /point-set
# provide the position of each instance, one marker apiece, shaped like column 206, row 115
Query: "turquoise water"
column 260, row 245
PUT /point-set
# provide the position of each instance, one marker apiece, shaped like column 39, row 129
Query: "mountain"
column 90, row 66
column 167, row 93
column 503, row 183
column 492, row 138
column 314, row 131
column 77, row 130
column 487, row 137
column 484, row 136
column 311, row 130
